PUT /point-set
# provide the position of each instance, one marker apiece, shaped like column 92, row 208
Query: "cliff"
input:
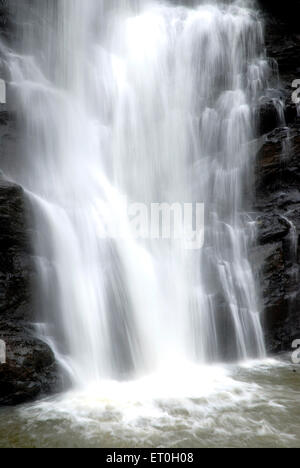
column 30, row 369
column 277, row 186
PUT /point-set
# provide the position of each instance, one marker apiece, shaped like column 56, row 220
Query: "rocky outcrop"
column 277, row 186
column 278, row 201
column 30, row 369
column 283, row 35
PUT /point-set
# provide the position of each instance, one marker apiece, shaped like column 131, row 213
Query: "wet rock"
column 271, row 228
column 30, row 369
column 287, row 12
column 282, row 34
column 290, row 112
column 280, row 295
column 277, row 187
column 5, row 19
column 279, row 161
column 278, row 201
column 268, row 117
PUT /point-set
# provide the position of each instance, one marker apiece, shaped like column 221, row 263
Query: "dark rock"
column 283, row 47
column 281, row 296
column 5, row 19
column 278, row 201
column 277, row 186
column 268, row 117
column 30, row 370
column 290, row 112
column 279, row 161
column 272, row 228
column 288, row 12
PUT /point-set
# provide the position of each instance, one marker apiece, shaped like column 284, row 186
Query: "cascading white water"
column 152, row 101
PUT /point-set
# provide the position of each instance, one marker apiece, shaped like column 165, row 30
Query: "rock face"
column 277, row 186
column 278, row 199
column 30, row 368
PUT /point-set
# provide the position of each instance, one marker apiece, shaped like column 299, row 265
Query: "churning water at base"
column 154, row 102
column 253, row 405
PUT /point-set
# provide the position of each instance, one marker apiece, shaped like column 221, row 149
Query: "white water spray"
column 152, row 101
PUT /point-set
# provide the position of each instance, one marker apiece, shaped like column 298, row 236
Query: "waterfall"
column 152, row 102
